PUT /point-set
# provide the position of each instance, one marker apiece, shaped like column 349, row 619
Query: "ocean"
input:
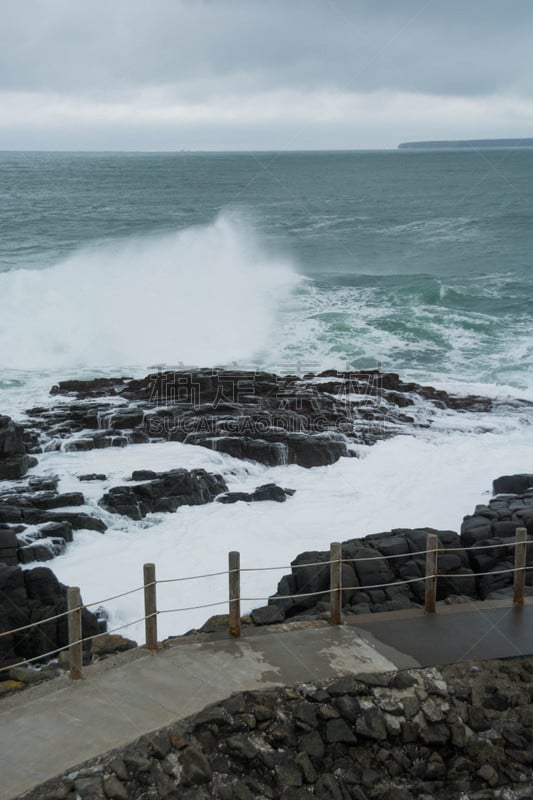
column 419, row 263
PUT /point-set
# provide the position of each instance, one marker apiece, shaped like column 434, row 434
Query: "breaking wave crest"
column 204, row 295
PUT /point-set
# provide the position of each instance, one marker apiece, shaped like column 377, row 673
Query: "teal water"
column 420, row 262
column 416, row 262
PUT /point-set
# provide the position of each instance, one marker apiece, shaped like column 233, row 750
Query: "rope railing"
column 482, row 574
column 36, row 623
column 113, row 597
column 510, row 543
column 64, row 647
column 386, row 585
column 389, row 557
column 195, row 577
column 284, row 596
column 335, row 562
column 193, row 608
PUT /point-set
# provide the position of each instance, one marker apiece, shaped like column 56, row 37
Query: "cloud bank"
column 247, row 74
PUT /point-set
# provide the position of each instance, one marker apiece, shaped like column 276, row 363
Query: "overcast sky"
column 262, row 74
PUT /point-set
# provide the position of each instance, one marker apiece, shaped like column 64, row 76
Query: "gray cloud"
column 454, row 47
column 160, row 53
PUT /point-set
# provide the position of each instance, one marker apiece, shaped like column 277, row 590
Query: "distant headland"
column 467, row 144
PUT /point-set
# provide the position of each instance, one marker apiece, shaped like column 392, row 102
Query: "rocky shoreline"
column 28, row 596
column 262, row 417
column 398, row 555
column 271, row 419
column 460, row 732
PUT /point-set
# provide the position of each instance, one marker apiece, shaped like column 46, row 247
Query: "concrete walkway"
column 52, row 727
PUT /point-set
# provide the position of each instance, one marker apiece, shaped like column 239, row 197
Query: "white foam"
column 203, row 295
column 432, row 480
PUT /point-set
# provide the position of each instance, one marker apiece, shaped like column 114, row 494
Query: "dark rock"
column 267, row 492
column 43, row 550
column 213, row 715
column 78, row 521
column 315, row 451
column 81, row 445
column 119, row 768
column 32, row 596
column 371, row 725
column 144, row 475
column 347, row 685
column 381, row 679
column 435, row 768
column 241, row 747
column 310, row 579
column 115, row 789
column 137, row 762
column 166, row 492
column 50, row 500
column 499, row 701
column 305, row 715
column 402, row 680
column 434, row 735
column 287, row 772
column 61, row 791
column 93, row 476
column 348, row 707
column 474, row 530
column 90, row 788
column 477, row 719
column 306, row 767
column 512, row 484
column 14, row 461
column 60, row 530
column 329, row 787
column 108, row 643
column 268, row 615
column 195, row 766
column 338, row 731
column 312, row 744
column 8, row 547
column 96, row 387
column 126, row 419
column 249, row 415
column 521, row 756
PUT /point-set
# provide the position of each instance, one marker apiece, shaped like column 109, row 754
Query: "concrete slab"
column 469, row 632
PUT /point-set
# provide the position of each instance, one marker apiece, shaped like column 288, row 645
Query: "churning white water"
column 203, row 295
column 433, row 285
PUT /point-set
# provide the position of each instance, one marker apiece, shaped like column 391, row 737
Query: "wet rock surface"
column 163, row 491
column 310, row 421
column 260, row 416
column 462, row 732
column 14, row 461
column 269, row 491
column 30, row 596
column 37, row 521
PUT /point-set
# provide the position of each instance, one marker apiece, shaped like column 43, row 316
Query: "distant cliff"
column 466, row 144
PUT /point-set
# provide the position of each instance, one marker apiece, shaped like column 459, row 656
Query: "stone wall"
column 464, row 732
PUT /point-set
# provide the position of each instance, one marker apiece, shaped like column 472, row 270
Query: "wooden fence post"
column 74, row 633
column 234, row 580
column 150, row 606
column 432, row 546
column 520, row 557
column 335, row 583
